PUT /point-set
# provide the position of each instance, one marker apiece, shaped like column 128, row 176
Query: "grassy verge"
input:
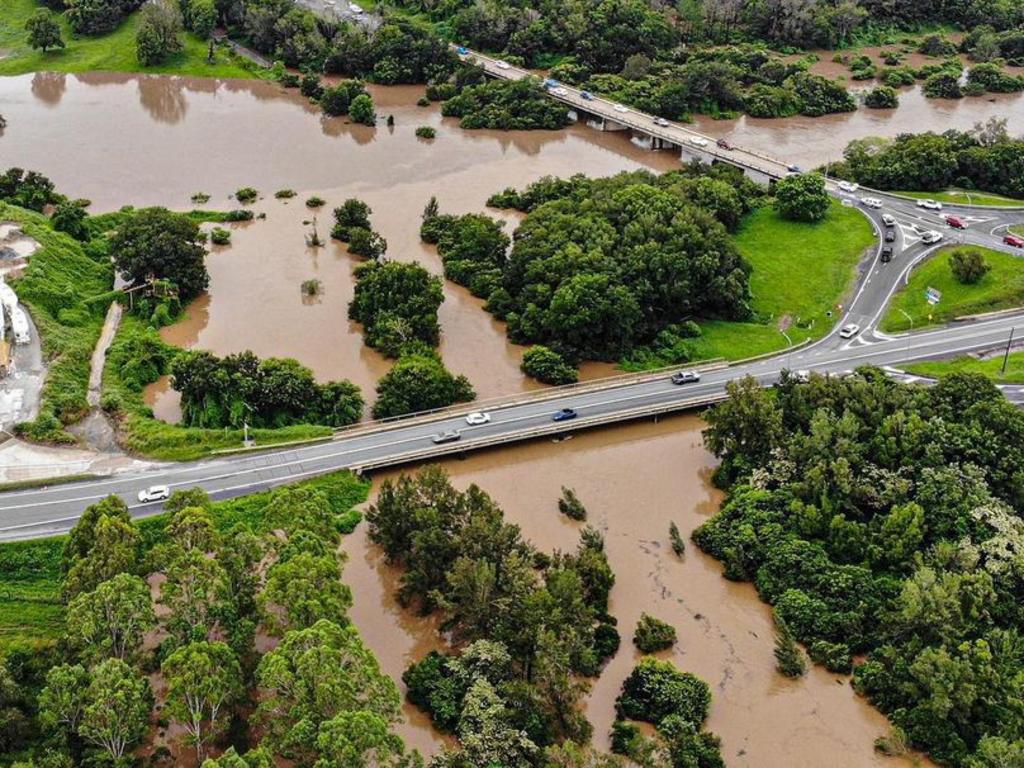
column 800, row 272
column 935, row 369
column 1001, row 288
column 30, row 609
column 62, row 287
column 138, row 356
column 114, row 52
column 965, row 196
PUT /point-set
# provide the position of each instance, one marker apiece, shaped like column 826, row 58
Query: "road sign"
column 932, row 296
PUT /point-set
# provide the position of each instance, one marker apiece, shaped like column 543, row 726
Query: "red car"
column 956, row 223
column 1016, row 242
column 723, row 144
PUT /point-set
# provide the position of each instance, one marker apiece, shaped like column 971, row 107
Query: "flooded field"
column 634, row 481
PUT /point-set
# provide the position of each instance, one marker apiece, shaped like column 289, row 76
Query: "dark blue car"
column 564, row 415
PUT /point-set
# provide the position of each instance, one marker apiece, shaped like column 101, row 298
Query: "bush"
column 802, row 197
column 968, row 265
column 894, row 77
column 422, row 101
column 200, row 197
column 834, row 656
column 882, row 97
column 315, row 202
column 311, row 287
column 366, row 243
column 678, row 545
column 656, row 689
column 289, row 80
column 789, row 660
column 425, row 132
column 653, row 634
column 943, row 85
column 350, row 214
column 570, row 505
column 546, row 365
column 506, row 105
column 284, row 194
column 361, row 110
column 220, row 236
column 246, row 195
column 419, row 382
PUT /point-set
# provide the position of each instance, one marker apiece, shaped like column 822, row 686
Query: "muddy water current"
column 634, row 481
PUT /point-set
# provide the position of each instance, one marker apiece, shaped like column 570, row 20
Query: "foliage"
column 70, row 218
column 789, row 660
column 28, row 189
column 241, row 388
column 361, row 110
column 157, row 244
column 656, row 690
column 338, row 99
column 220, row 236
column 968, row 265
column 397, row 304
column 676, row 539
column 351, row 214
column 44, row 31
column 546, row 365
column 882, row 97
column 425, row 132
column 315, row 202
column 506, row 105
column 96, row 17
column 159, row 34
column 802, row 197
column 571, row 506
column 653, row 634
column 246, row 195
column 418, row 381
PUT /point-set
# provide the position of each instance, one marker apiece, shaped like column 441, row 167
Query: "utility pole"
column 1006, row 357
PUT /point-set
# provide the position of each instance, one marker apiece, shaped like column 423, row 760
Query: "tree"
column 201, row 17
column 63, row 699
column 43, row 30
column 397, row 303
column 486, row 734
column 653, row 634
column 744, row 429
column 968, row 265
column 304, row 589
column 366, row 243
column 115, row 550
column 82, row 537
column 788, row 658
column 117, row 706
column 194, row 593
column 882, row 97
column 352, row 213
column 254, row 758
column 111, row 620
column 419, row 382
column 361, row 110
column 802, row 197
column 202, row 679
column 155, row 243
column 656, row 689
column 159, row 34
column 546, row 365
column 359, row 740
column 70, row 217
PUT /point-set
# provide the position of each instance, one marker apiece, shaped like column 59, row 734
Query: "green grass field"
column 1001, row 288
column 992, row 368
column 30, row 609
column 114, row 52
column 965, row 196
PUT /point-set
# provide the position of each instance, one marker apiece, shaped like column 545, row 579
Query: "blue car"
column 564, row 415
column 586, row 95
column 462, row 51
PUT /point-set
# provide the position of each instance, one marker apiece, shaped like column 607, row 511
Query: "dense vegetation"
column 506, row 105
column 882, row 519
column 397, row 304
column 419, row 381
column 985, row 158
column 600, row 266
column 263, row 564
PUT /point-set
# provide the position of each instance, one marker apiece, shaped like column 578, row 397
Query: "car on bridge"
column 794, row 169
column 661, row 121
column 586, row 95
column 956, row 222
column 931, row 205
column 699, row 141
column 686, row 377
column 1013, row 240
column 462, row 50
column 723, row 144
column 447, row 436
column 849, row 330
column 477, row 418
column 621, row 108
column 501, row 64
column 154, row 493
column 564, row 414
column 559, row 91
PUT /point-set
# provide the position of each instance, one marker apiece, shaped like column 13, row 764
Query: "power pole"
column 1006, row 356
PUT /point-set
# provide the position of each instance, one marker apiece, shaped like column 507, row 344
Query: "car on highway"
column 886, row 255
column 477, row 418
column 586, row 95
column 931, row 205
column 723, row 144
column 871, row 202
column 446, row 436
column 1013, row 240
column 888, row 220
column 501, row 64
column 699, row 141
column 794, row 169
column 621, row 108
column 686, row 377
column 931, row 237
column 564, row 414
column 890, row 235
column 559, row 91
column 154, row 493
column 661, row 121
column 956, row 222
column 849, row 330
column 462, row 50
column 848, row 186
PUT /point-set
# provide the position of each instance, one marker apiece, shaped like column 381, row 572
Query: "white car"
column 620, row 108
column 154, row 493
column 802, row 376
column 661, row 121
column 559, row 91
column 888, row 220
column 848, row 186
column 849, row 330
column 699, row 141
column 930, row 237
column 871, row 202
column 502, row 64
column 931, row 205
column 477, row 418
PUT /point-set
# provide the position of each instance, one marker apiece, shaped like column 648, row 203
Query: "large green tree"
column 111, row 620
column 155, row 243
column 43, row 30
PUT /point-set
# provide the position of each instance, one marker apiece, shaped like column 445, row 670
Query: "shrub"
column 656, row 689
column 943, row 85
column 315, row 202
column 289, row 80
column 220, row 236
column 349, row 215
column 678, row 546
column 834, row 656
column 246, row 195
column 366, row 243
column 311, row 287
column 968, row 265
column 625, row 737
column 546, row 365
column 284, row 194
column 789, row 660
column 653, row 634
column 423, row 101
column 238, row 214
column 570, row 505
column 882, row 97
column 361, row 110
column 425, row 132
column 802, row 197
column 200, row 198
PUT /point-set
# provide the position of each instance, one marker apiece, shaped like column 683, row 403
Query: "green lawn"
column 30, row 609
column 992, row 368
column 113, row 53
column 964, row 196
column 1001, row 288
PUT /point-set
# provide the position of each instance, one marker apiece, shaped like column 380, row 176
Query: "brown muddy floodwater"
column 635, row 480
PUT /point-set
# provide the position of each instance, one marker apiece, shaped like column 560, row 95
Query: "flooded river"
column 634, row 481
